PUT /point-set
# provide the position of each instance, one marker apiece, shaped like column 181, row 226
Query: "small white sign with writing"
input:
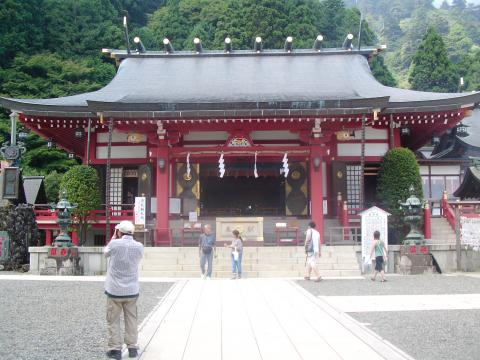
column 373, row 219
column 470, row 231
column 140, row 210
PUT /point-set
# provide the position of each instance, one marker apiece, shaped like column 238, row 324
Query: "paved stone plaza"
column 420, row 317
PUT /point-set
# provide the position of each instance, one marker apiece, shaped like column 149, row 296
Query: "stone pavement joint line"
column 255, row 319
column 377, row 303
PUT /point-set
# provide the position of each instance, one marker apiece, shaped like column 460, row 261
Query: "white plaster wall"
column 123, row 152
column 372, row 134
column 206, row 136
column 118, row 137
column 355, row 149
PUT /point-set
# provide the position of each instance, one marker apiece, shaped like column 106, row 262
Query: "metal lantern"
column 462, row 130
column 22, row 135
column 78, row 133
column 405, row 131
column 50, row 144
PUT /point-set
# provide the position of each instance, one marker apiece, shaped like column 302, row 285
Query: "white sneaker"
column 202, row 276
column 209, row 278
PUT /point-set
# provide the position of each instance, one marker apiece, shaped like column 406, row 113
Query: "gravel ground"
column 49, row 320
column 396, row 285
column 425, row 335
column 429, row 335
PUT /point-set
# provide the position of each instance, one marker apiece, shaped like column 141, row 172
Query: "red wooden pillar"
column 75, row 238
column 427, row 227
column 316, row 188
column 48, row 237
column 339, row 205
column 162, row 191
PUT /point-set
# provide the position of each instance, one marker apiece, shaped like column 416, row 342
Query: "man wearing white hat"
column 122, row 289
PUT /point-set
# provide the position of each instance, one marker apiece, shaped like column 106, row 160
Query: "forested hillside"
column 51, row 48
column 401, row 24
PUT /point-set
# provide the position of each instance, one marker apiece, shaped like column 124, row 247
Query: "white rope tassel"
column 221, row 166
column 188, row 165
column 285, row 165
column 255, row 172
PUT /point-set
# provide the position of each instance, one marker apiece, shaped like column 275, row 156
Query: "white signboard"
column 470, row 232
column 373, row 219
column 192, row 216
column 140, row 210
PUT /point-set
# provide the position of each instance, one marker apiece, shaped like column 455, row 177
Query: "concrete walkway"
column 254, row 319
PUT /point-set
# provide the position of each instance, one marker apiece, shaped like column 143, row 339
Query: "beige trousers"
column 114, row 310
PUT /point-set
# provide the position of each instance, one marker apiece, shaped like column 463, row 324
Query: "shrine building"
column 234, row 137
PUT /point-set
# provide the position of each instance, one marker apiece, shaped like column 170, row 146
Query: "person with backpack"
column 206, row 249
column 378, row 247
column 312, row 250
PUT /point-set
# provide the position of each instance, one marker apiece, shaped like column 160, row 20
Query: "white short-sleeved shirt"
column 122, row 271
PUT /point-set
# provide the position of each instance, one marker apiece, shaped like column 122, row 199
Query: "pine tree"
column 445, row 5
column 459, row 4
column 431, row 69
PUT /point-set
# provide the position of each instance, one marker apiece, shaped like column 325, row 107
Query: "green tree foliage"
column 402, row 24
column 398, row 171
column 21, row 28
column 431, row 68
column 48, row 75
column 469, row 69
column 381, row 72
column 81, row 184
column 52, row 186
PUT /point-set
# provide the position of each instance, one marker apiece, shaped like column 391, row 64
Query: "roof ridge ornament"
column 228, row 45
column 197, row 43
column 347, row 43
column 317, row 45
column 257, row 45
column 139, row 45
column 168, row 46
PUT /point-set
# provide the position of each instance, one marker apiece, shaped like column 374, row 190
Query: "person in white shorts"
column 312, row 250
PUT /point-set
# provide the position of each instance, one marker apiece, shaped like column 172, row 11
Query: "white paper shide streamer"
column 285, row 165
column 188, row 166
column 221, row 166
column 255, row 172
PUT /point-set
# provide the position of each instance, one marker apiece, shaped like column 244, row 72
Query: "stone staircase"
column 284, row 261
column 442, row 232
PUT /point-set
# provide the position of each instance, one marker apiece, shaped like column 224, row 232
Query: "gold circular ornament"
column 296, row 175
column 339, row 174
column 144, row 176
column 187, row 177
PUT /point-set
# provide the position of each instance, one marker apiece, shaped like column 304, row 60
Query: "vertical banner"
column 373, row 219
column 140, row 210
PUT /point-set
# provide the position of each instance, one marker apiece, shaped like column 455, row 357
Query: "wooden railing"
column 469, row 209
column 117, row 213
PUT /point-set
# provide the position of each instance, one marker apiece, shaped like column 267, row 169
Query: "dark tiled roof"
column 304, row 80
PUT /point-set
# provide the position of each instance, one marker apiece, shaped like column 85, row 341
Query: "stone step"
column 249, row 274
column 252, row 262
column 248, row 267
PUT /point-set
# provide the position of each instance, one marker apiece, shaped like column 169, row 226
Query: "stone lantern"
column 64, row 209
column 63, row 256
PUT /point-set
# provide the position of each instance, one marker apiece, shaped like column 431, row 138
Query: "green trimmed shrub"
column 82, row 185
column 398, row 171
